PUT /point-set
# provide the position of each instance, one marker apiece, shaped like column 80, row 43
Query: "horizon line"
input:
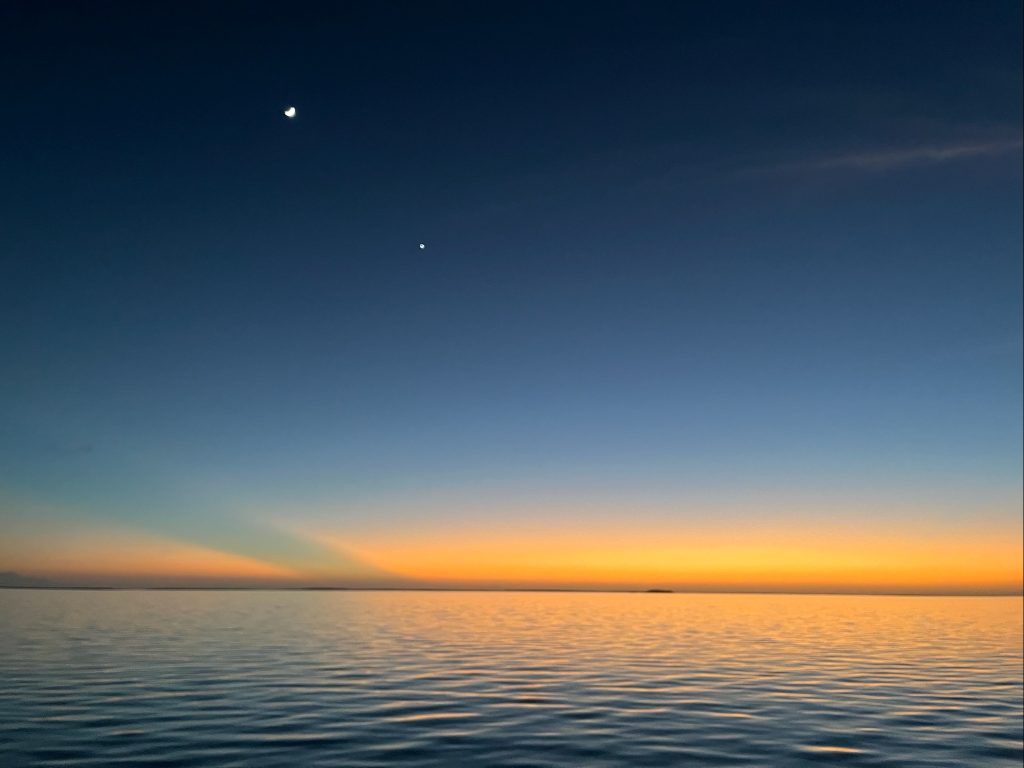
column 653, row 590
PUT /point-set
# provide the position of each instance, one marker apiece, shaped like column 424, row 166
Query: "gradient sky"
column 719, row 295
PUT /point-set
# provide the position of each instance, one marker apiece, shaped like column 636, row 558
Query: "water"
column 507, row 679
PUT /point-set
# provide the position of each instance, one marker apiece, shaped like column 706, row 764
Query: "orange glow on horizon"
column 124, row 554
column 804, row 559
column 599, row 553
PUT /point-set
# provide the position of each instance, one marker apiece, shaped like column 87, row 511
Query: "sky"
column 714, row 295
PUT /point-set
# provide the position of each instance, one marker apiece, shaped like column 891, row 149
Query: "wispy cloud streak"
column 896, row 158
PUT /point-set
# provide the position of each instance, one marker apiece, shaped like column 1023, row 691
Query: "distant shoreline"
column 56, row 588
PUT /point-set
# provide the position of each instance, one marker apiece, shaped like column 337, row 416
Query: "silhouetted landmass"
column 322, row 589
column 12, row 579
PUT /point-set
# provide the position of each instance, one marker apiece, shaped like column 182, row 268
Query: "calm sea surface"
column 507, row 679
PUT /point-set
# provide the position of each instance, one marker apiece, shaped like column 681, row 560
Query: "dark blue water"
column 507, row 679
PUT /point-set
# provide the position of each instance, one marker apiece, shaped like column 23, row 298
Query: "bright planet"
column 289, row 112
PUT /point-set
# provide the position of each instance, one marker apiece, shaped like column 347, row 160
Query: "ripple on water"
column 507, row 679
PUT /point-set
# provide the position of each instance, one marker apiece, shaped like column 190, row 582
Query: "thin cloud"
column 894, row 159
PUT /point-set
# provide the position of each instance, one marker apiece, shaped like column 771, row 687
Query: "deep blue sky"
column 674, row 250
